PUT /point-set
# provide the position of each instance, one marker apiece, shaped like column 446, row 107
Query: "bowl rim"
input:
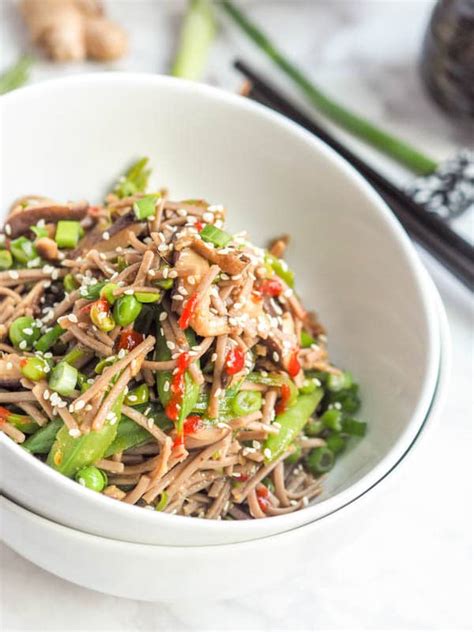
column 313, row 512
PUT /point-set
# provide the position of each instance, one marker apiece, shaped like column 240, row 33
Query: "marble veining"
column 411, row 568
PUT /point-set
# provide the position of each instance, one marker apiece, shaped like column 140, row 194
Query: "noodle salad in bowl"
column 156, row 358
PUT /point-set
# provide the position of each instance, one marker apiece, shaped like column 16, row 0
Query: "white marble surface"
column 412, row 569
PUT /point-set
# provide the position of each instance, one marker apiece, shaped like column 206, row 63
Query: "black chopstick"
column 430, row 231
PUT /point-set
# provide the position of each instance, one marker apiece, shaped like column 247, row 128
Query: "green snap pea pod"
column 135, row 179
column 129, row 435
column 275, row 379
column 281, row 269
column 292, row 421
column 70, row 454
column 246, row 402
column 163, row 378
column 23, row 422
column 42, row 440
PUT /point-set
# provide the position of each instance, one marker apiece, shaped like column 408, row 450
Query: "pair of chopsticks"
column 454, row 252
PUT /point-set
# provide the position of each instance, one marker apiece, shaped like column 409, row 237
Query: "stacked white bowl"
column 353, row 263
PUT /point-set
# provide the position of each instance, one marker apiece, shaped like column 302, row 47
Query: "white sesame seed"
column 129, row 292
column 8, row 229
column 183, row 291
column 275, row 356
column 73, row 318
column 267, row 453
column 177, row 297
column 172, row 274
column 74, row 432
column 170, row 345
column 9, row 366
column 23, row 344
column 106, row 235
column 166, row 386
column 13, row 274
column 79, row 405
column 256, row 444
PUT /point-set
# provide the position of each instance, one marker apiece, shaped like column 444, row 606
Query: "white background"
column 411, row 569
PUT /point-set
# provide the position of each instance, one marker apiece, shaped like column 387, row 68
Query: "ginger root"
column 73, row 30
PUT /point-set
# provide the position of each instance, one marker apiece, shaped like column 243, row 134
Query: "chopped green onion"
column 6, row 260
column 246, row 402
column 70, row 283
column 354, row 427
column 67, row 233
column 320, row 460
column 148, row 297
column 23, row 250
column 48, row 339
column 306, row 339
column 336, row 443
column 220, row 238
column 92, row 478
column 145, row 206
column 39, row 231
column 332, row 419
column 34, row 369
column 339, row 381
column 63, row 379
column 161, row 504
column 24, row 332
column 313, row 428
column 137, row 396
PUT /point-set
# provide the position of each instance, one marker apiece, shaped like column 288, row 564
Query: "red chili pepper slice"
column 234, row 361
column 294, row 366
column 188, row 311
column 199, row 226
column 263, row 497
column 177, row 387
column 282, row 405
column 271, row 287
column 129, row 339
column 4, row 414
column 192, row 424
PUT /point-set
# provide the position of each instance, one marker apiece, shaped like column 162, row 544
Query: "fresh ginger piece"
column 72, row 30
column 104, row 39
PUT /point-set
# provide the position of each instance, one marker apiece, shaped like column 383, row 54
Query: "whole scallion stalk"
column 196, row 37
column 16, row 75
column 381, row 140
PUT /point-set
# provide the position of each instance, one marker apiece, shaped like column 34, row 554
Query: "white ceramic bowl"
column 354, row 264
column 190, row 572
